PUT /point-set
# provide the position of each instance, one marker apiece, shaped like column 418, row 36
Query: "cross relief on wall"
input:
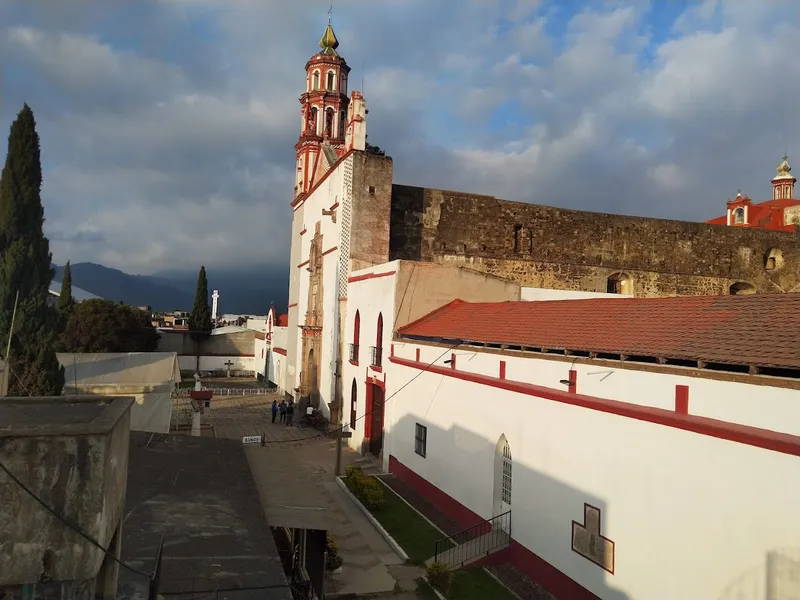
column 588, row 541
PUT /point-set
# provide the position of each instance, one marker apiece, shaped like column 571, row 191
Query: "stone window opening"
column 330, row 81
column 742, row 288
column 773, row 260
column 619, row 283
column 315, row 80
column 517, row 237
column 738, row 216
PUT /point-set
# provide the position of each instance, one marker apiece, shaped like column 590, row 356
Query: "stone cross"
column 588, row 541
column 229, row 364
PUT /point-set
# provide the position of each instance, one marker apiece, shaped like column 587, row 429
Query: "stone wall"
column 228, row 344
column 543, row 246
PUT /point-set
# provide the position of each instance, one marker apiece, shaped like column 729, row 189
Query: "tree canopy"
column 25, row 267
column 99, row 325
column 200, row 318
column 65, row 301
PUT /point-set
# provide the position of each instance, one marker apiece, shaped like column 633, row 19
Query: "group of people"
column 284, row 410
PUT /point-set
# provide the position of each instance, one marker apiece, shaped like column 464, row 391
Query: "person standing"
column 282, row 409
column 290, row 413
column 274, row 410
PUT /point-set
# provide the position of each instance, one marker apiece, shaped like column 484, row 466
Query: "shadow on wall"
column 551, row 517
column 777, row 578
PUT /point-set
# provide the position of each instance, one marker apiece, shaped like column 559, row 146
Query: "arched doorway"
column 502, row 479
column 741, row 288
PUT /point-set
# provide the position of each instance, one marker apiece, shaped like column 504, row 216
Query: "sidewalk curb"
column 385, row 534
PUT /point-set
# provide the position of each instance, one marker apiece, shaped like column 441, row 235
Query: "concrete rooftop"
column 61, row 415
column 200, row 493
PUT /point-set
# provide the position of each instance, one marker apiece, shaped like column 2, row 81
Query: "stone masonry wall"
column 543, row 246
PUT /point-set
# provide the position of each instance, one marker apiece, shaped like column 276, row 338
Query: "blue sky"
column 168, row 125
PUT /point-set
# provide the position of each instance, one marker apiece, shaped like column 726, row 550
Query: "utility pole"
column 8, row 347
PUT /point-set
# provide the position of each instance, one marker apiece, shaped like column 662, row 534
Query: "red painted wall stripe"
column 573, row 381
column 329, row 250
column 370, row 276
column 682, row 399
column 279, row 351
column 292, row 305
column 502, row 369
column 521, row 557
column 742, row 434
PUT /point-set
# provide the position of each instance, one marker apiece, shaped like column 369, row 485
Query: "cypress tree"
column 65, row 301
column 26, row 267
column 200, row 317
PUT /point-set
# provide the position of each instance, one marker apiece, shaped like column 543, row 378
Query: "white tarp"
column 150, row 377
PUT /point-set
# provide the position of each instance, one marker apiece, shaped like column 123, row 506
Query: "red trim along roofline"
column 369, row 276
column 279, row 351
column 743, row 434
column 300, row 199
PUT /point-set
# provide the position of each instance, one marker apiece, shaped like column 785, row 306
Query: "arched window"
column 343, row 86
column 353, row 403
column 315, row 79
column 330, row 81
column 342, row 123
column 738, row 215
column 377, row 350
column 619, row 283
column 503, row 470
column 773, row 260
column 356, row 338
column 787, row 194
column 329, row 113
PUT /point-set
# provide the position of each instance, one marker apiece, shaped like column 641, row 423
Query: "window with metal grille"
column 421, row 440
column 506, row 486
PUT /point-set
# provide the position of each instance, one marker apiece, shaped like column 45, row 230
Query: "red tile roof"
column 712, row 329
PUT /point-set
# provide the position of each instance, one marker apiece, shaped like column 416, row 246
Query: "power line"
column 69, row 523
column 407, row 383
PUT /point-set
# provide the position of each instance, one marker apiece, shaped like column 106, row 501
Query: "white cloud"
column 168, row 128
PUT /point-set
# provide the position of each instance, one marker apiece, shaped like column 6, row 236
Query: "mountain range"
column 242, row 291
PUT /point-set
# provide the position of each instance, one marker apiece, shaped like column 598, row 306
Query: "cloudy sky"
column 168, row 126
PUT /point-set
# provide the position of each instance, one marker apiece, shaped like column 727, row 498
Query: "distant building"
column 78, row 294
column 781, row 213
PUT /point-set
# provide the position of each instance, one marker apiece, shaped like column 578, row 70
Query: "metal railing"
column 457, row 549
column 376, row 354
column 354, row 352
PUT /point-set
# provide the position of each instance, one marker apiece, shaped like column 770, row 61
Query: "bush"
column 334, row 560
column 367, row 489
column 440, row 576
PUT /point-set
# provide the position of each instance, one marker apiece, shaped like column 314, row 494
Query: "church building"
column 349, row 215
column 781, row 213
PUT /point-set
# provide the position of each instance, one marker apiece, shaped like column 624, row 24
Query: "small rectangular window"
column 372, row 189
column 421, row 440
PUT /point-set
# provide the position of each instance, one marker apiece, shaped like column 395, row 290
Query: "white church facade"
column 642, row 448
column 608, row 462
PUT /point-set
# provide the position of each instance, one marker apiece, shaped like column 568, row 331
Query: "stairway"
column 472, row 550
column 474, row 543
column 369, row 464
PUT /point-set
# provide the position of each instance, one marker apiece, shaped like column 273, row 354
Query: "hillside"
column 249, row 291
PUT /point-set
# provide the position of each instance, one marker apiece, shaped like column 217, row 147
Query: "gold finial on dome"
column 784, row 168
column 329, row 43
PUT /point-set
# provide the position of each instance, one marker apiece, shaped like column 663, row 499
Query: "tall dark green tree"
column 200, row 317
column 26, row 267
column 65, row 301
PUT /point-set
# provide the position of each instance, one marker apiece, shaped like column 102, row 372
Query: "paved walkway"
column 299, row 463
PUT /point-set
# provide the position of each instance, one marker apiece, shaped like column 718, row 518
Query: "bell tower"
column 783, row 182
column 324, row 109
